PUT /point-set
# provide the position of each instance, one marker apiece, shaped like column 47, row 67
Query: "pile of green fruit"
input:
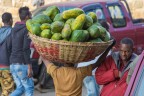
column 71, row 25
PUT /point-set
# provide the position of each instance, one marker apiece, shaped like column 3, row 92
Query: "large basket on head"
column 67, row 52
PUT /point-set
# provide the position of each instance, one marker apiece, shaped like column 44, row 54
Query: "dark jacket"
column 20, row 44
column 4, row 47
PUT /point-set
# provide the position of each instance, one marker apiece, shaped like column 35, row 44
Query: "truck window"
column 117, row 16
column 96, row 8
column 99, row 12
column 63, row 8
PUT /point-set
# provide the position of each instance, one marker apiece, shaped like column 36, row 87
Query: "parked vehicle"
column 115, row 12
column 136, row 85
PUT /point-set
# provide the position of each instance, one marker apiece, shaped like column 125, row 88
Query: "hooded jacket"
column 20, row 51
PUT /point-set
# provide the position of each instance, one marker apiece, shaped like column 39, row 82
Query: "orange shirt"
column 68, row 80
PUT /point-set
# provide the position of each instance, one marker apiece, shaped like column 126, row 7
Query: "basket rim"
column 62, row 42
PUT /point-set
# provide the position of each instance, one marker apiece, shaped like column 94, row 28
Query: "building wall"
column 137, row 8
column 12, row 6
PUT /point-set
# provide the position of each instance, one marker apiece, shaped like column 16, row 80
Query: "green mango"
column 72, row 13
column 29, row 24
column 94, row 31
column 78, row 22
column 93, row 16
column 57, row 26
column 46, row 33
column 88, row 23
column 66, row 32
column 56, row 36
column 51, row 11
column 41, row 19
column 36, row 29
column 78, row 36
column 58, row 17
column 45, row 26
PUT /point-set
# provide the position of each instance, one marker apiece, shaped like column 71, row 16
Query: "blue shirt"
column 4, row 52
column 4, row 32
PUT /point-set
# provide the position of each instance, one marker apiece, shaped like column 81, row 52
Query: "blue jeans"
column 91, row 86
column 23, row 83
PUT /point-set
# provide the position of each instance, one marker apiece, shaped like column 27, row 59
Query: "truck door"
column 121, row 22
column 96, row 8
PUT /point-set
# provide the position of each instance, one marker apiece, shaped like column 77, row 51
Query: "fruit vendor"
column 68, row 79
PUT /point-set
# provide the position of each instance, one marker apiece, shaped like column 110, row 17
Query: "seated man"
column 112, row 73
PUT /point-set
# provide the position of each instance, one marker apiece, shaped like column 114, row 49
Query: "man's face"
column 125, row 52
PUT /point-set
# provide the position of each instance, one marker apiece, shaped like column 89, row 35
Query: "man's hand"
column 103, row 56
column 120, row 74
column 29, row 70
column 113, row 43
column 40, row 60
column 46, row 61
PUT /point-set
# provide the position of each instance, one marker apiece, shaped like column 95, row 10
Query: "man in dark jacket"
column 20, row 65
column 6, row 80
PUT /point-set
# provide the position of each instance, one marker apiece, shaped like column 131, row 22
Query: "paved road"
column 52, row 93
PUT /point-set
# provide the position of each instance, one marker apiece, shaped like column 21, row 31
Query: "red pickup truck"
column 115, row 12
column 136, row 84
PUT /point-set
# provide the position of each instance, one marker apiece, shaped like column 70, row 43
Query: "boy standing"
column 6, row 80
column 20, row 65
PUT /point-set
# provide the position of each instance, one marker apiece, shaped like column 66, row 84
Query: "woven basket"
column 67, row 52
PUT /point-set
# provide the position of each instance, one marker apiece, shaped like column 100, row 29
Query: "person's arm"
column 26, row 48
column 26, row 52
column 51, row 68
column 9, row 43
column 105, row 73
column 85, row 71
column 103, row 56
column 46, row 62
column 132, row 69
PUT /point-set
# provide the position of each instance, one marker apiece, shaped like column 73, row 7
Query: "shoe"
column 41, row 90
column 35, row 80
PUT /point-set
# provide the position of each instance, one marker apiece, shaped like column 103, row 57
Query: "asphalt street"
column 51, row 92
